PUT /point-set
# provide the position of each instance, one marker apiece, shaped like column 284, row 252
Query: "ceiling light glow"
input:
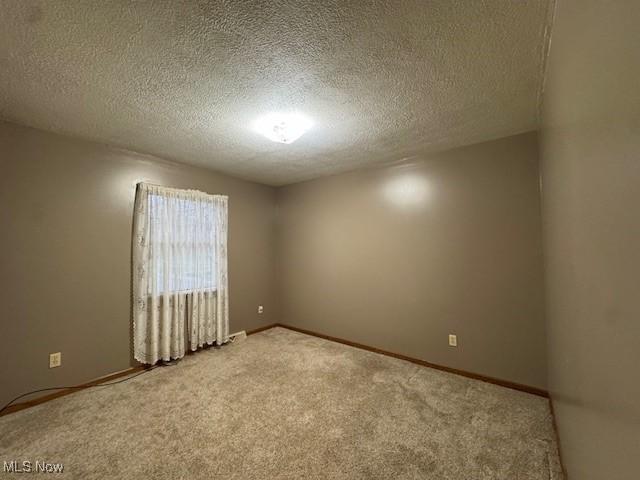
column 283, row 127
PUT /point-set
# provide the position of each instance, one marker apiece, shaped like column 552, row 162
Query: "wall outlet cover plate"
column 55, row 359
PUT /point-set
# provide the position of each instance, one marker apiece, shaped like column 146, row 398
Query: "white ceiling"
column 382, row 80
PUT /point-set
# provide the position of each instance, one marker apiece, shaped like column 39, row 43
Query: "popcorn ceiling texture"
column 383, row 80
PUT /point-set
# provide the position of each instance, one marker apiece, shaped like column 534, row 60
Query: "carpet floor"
column 282, row 405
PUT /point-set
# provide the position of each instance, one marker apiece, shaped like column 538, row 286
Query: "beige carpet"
column 283, row 405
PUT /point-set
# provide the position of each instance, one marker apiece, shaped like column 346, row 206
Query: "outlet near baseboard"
column 55, row 359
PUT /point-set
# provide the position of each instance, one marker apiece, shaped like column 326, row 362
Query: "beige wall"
column 591, row 215
column 399, row 257
column 449, row 244
column 66, row 214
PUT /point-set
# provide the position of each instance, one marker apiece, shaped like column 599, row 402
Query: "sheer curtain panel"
column 180, row 294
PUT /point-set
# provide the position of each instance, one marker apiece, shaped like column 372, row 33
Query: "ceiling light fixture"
column 283, row 127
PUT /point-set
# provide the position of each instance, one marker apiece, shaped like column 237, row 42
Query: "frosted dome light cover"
column 283, row 127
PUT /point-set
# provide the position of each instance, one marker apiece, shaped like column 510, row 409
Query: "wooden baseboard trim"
column 476, row 376
column 104, row 379
column 107, row 378
column 261, row 329
column 66, row 391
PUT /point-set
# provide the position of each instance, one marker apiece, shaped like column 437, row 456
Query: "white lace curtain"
column 180, row 293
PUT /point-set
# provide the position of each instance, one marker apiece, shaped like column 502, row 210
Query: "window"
column 179, row 254
column 182, row 244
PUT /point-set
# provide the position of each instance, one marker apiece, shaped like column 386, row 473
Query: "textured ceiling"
column 383, row 81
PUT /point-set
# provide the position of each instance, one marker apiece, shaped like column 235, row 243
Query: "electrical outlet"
column 453, row 340
column 260, row 309
column 55, row 359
